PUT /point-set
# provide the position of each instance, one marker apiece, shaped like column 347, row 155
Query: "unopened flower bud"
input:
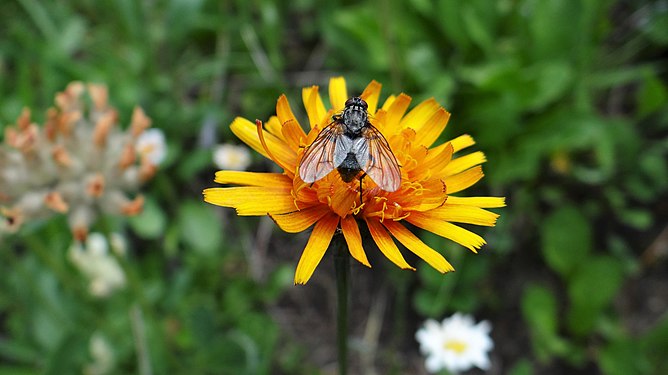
column 133, row 207
column 67, row 120
column 99, row 95
column 12, row 219
column 80, row 219
column 95, row 185
column 24, row 119
column 26, row 139
column 102, row 128
column 147, row 170
column 54, row 200
column 10, row 136
column 128, row 156
column 139, row 122
column 51, row 124
column 61, row 157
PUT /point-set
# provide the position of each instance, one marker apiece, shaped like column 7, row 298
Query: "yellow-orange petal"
column 316, row 247
column 388, row 102
column 435, row 161
column 386, row 244
column 273, row 126
column 426, row 196
column 246, row 131
column 253, row 179
column 371, row 94
column 351, row 232
column 464, row 214
column 462, row 142
column 482, row 202
column 394, row 114
column 342, row 198
column 463, row 163
column 463, row 180
column 419, row 248
column 294, row 135
column 297, row 221
column 283, row 110
column 315, row 109
column 431, row 128
column 417, row 116
column 338, row 94
column 447, row 230
column 252, row 200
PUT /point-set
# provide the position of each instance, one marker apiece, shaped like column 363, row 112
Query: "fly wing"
column 376, row 159
column 318, row 160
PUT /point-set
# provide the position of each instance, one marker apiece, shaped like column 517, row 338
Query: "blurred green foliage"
column 568, row 99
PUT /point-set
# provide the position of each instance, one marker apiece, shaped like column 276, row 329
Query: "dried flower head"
column 80, row 162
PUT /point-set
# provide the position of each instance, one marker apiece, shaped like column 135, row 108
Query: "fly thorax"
column 354, row 119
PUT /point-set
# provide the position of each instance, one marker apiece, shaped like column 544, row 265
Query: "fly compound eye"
column 356, row 101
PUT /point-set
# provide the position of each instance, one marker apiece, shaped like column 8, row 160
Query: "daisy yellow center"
column 148, row 149
column 456, row 346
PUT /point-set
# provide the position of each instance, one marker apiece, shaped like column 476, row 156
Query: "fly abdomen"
column 349, row 168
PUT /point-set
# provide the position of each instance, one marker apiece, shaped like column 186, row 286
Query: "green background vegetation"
column 568, row 99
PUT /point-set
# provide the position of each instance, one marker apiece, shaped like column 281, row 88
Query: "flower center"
column 456, row 346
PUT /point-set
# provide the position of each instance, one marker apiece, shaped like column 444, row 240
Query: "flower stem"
column 342, row 269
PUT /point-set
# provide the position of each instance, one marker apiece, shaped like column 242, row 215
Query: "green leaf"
column 656, row 24
column 652, row 95
column 200, row 228
column 18, row 351
column 477, row 28
column 427, row 304
column 591, row 289
column 566, row 240
column 522, row 367
column 552, row 80
column 7, row 370
column 637, row 218
column 68, row 357
column 193, row 162
column 149, row 224
column 624, row 357
column 654, row 345
column 539, row 309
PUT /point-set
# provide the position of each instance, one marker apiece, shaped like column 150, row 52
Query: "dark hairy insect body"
column 352, row 146
column 349, row 168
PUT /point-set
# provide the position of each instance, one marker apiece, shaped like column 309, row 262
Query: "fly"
column 352, row 146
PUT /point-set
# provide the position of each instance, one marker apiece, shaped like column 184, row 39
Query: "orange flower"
column 428, row 176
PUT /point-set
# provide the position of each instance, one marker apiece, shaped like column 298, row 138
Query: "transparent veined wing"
column 318, row 160
column 376, row 159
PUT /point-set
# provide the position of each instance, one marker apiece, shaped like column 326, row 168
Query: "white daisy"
column 457, row 344
column 151, row 145
column 229, row 156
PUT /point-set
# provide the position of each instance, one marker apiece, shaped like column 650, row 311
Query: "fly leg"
column 361, row 178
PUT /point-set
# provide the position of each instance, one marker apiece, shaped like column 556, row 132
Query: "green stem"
column 137, row 309
column 342, row 269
